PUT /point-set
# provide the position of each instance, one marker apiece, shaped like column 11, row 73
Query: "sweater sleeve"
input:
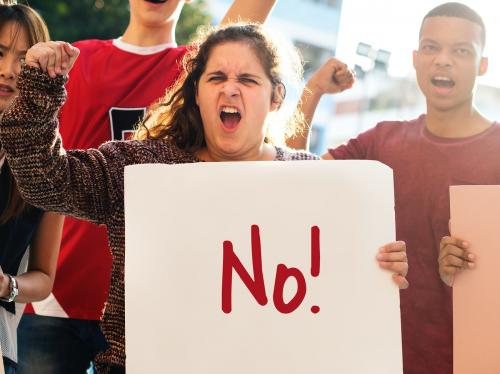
column 77, row 183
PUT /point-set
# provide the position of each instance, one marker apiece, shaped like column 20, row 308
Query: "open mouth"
column 156, row 1
column 230, row 117
column 443, row 82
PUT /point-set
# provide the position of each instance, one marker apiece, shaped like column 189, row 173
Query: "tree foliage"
column 72, row 20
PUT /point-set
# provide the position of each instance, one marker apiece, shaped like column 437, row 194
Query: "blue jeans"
column 51, row 345
column 8, row 367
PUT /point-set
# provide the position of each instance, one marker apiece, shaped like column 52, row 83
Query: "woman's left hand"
column 4, row 284
column 392, row 256
column 55, row 58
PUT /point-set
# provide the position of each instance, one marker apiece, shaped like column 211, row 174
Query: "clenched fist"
column 55, row 58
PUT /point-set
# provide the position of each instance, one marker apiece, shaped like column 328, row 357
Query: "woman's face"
column 235, row 96
column 13, row 47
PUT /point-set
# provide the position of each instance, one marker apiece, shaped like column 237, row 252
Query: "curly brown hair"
column 176, row 116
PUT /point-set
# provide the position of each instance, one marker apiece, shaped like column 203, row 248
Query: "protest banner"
column 260, row 267
column 475, row 217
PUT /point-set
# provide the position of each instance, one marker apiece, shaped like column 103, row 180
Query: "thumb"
column 448, row 279
column 32, row 62
column 71, row 50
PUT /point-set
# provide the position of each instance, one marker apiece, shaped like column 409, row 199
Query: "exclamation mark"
column 315, row 258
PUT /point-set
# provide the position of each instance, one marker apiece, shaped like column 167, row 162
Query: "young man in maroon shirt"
column 452, row 143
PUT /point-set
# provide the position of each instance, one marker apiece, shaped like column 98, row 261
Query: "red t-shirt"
column 424, row 167
column 108, row 90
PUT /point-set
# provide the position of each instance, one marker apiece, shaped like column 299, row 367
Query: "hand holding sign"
column 453, row 257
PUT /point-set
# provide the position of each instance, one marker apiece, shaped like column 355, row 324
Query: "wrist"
column 11, row 290
column 315, row 88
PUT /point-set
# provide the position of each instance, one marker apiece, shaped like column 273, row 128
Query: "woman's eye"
column 216, row 79
column 247, row 81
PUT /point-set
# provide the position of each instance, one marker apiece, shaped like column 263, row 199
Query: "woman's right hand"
column 55, row 58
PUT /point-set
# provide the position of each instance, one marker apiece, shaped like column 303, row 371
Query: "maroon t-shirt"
column 424, row 167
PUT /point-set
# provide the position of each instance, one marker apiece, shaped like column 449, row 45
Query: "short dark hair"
column 458, row 10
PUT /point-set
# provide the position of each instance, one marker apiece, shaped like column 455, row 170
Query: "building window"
column 313, row 56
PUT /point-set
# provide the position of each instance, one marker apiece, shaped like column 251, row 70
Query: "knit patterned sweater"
column 86, row 184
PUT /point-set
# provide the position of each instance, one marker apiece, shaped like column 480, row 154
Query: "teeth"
column 445, row 79
column 228, row 109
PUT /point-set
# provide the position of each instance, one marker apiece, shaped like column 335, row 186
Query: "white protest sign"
column 260, row 267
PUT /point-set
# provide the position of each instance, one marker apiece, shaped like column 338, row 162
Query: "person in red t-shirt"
column 451, row 144
column 112, row 83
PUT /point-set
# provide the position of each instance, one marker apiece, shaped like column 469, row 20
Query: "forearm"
column 47, row 177
column 307, row 105
column 28, row 133
column 249, row 11
column 36, row 284
column 33, row 286
column 332, row 77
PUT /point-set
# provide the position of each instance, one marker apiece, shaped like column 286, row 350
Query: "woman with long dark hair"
column 23, row 278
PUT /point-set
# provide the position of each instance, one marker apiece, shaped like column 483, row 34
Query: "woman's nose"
column 231, row 88
column 7, row 69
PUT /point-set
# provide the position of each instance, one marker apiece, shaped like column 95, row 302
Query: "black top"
column 16, row 234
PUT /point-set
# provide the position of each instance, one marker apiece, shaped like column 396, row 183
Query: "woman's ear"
column 279, row 94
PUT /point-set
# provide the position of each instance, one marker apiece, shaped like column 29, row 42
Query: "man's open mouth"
column 441, row 81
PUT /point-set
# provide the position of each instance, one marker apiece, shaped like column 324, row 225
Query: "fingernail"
column 470, row 256
column 465, row 244
column 379, row 256
column 470, row 264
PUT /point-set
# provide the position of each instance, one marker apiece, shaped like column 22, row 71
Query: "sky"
column 393, row 25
